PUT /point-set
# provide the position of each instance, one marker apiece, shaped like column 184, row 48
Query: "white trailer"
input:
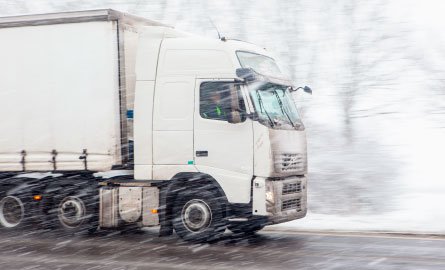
column 110, row 119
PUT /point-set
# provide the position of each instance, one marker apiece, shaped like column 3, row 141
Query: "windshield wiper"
column 280, row 102
column 260, row 101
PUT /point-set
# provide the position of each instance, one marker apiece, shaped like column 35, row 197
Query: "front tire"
column 198, row 217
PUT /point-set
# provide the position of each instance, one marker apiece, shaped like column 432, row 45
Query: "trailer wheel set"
column 67, row 208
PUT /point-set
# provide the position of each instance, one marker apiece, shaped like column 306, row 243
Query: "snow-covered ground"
column 376, row 121
column 423, row 213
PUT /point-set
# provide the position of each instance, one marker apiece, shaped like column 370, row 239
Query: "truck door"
column 223, row 150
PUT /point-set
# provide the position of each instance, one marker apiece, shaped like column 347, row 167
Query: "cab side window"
column 215, row 101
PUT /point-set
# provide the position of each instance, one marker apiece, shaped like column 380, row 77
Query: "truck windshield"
column 260, row 63
column 274, row 106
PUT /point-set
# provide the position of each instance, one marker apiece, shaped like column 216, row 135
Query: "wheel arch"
column 173, row 188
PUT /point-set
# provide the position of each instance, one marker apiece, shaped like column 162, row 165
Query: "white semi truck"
column 110, row 120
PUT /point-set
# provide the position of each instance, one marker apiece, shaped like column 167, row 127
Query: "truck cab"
column 223, row 109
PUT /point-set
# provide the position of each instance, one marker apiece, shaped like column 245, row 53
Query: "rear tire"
column 15, row 209
column 198, row 216
column 12, row 212
column 76, row 212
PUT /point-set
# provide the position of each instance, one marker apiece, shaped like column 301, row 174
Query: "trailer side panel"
column 59, row 97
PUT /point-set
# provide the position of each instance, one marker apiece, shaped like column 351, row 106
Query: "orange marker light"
column 37, row 197
column 154, row 211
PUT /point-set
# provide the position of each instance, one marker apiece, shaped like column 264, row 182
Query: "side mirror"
column 307, row 89
column 247, row 74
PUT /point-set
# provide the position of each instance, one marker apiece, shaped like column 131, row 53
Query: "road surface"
column 265, row 250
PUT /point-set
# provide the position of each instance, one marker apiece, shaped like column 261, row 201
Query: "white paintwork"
column 59, row 90
column 150, row 38
column 173, row 107
column 143, row 132
column 235, row 185
column 230, row 152
column 196, row 57
column 167, row 172
column 173, row 121
column 263, row 165
column 172, row 148
column 267, row 142
column 149, row 43
column 259, row 196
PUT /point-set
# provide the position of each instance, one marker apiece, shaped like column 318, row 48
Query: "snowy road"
column 266, row 250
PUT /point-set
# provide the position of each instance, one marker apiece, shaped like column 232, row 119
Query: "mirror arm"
column 292, row 89
column 253, row 116
column 306, row 89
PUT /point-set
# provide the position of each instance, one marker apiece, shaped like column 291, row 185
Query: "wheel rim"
column 196, row 215
column 12, row 211
column 71, row 212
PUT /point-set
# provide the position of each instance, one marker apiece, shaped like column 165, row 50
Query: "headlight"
column 270, row 196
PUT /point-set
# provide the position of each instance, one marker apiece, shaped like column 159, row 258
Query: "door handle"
column 202, row 153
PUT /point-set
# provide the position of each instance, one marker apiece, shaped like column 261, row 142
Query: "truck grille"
column 289, row 162
column 291, row 204
column 291, row 188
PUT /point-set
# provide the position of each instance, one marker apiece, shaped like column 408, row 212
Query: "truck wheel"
column 12, row 212
column 16, row 209
column 248, row 227
column 76, row 212
column 198, row 216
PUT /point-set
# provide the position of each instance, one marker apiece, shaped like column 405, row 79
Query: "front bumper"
column 281, row 200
